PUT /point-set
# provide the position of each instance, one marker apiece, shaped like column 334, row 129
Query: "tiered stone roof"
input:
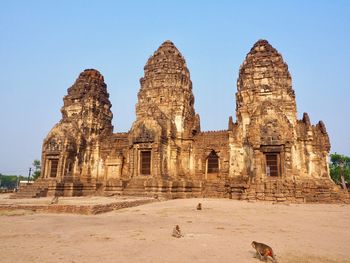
column 166, row 89
column 87, row 103
column 264, row 69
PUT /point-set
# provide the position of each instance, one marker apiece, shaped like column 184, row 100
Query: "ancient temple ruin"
column 266, row 154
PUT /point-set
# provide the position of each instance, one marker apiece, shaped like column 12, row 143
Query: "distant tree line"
column 11, row 181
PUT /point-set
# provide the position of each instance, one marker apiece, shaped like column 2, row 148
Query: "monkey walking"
column 264, row 251
column 199, row 206
column 177, row 232
column 54, row 200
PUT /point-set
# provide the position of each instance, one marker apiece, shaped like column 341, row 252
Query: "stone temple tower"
column 167, row 86
column 263, row 80
column 267, row 154
column 274, row 141
column 71, row 149
column 87, row 105
column 165, row 115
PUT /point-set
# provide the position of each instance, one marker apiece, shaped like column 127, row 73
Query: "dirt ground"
column 221, row 232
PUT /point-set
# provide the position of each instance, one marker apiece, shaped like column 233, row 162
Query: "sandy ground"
column 221, row 232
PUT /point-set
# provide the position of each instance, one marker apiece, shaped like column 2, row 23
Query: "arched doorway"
column 212, row 168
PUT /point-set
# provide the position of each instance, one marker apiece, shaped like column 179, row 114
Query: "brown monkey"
column 199, row 206
column 263, row 251
column 54, row 200
column 177, row 232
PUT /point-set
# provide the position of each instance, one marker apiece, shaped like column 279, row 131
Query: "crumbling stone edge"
column 76, row 209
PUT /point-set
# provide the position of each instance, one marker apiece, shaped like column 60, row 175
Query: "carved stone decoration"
column 167, row 86
column 145, row 135
column 87, row 104
column 266, row 154
column 53, row 145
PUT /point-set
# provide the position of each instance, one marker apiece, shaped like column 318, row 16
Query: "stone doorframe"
column 136, row 158
column 48, row 163
column 280, row 152
column 141, row 155
column 209, row 175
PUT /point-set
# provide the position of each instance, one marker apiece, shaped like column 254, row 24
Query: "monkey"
column 264, row 251
column 54, row 200
column 177, row 232
column 199, row 206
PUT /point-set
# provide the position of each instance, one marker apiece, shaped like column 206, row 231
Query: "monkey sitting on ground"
column 199, row 206
column 264, row 251
column 177, row 232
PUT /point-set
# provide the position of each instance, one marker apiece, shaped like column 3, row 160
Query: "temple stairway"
column 50, row 187
column 135, row 187
column 38, row 189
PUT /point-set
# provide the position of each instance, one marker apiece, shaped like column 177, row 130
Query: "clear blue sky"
column 44, row 45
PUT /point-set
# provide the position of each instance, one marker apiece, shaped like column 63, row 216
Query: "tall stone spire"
column 167, row 59
column 264, row 68
column 71, row 149
column 264, row 77
column 167, row 86
column 87, row 104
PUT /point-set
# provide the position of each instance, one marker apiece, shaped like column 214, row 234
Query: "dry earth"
column 221, row 232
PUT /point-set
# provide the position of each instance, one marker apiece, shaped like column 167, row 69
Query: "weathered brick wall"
column 204, row 144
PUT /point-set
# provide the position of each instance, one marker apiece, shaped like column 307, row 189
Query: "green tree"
column 340, row 168
column 10, row 181
column 37, row 169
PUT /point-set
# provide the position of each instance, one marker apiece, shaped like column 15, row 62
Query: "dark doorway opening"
column 145, row 162
column 53, row 167
column 213, row 163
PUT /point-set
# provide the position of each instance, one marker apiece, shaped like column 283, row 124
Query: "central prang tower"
column 165, row 117
column 167, row 86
